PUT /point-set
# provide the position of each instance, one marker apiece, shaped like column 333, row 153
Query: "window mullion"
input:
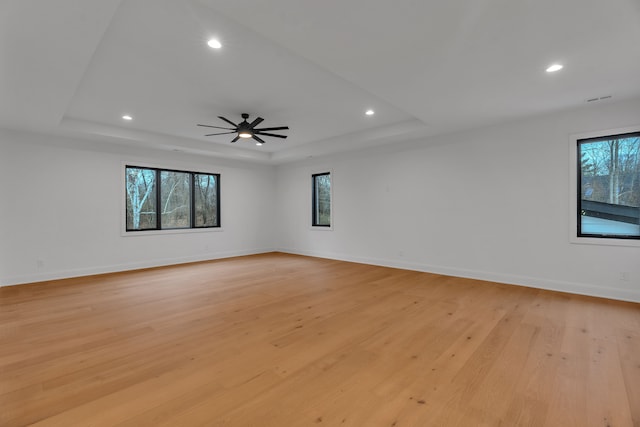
column 158, row 200
column 192, row 187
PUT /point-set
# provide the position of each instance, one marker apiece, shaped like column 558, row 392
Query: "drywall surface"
column 489, row 204
column 62, row 209
column 492, row 204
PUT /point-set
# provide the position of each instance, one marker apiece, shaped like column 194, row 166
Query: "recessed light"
column 369, row 112
column 127, row 117
column 258, row 144
column 554, row 67
column 214, row 44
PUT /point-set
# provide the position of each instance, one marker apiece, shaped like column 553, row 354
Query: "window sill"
column 170, row 231
column 603, row 241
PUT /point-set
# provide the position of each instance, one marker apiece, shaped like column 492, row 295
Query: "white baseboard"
column 532, row 282
column 78, row 272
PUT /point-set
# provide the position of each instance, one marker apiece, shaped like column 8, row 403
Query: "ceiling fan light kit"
column 244, row 129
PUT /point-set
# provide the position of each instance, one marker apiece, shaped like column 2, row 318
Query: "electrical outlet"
column 624, row 276
column 40, row 263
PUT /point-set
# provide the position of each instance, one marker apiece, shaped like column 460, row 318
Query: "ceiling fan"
column 244, row 129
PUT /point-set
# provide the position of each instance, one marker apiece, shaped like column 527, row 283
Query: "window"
column 175, row 199
column 321, row 200
column 206, row 196
column 608, row 186
column 159, row 199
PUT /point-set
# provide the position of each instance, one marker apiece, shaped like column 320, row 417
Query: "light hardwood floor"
column 284, row 340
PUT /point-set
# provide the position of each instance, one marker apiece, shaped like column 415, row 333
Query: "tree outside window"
column 321, row 203
column 141, row 198
column 609, row 186
column 206, row 200
column 175, row 199
column 158, row 199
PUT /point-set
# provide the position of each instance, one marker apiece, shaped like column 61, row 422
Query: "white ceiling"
column 74, row 67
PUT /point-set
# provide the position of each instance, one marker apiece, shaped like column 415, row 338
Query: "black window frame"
column 314, row 217
column 158, row 197
column 580, row 185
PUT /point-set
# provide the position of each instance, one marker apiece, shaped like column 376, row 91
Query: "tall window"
column 206, row 196
column 159, row 199
column 321, row 203
column 175, row 199
column 609, row 186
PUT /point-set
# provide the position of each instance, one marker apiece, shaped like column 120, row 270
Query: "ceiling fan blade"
column 235, row 139
column 269, row 134
column 223, row 133
column 257, row 138
column 275, row 128
column 235, row 126
column 256, row 122
column 217, row 127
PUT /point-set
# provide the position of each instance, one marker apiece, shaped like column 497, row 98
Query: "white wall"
column 490, row 204
column 61, row 209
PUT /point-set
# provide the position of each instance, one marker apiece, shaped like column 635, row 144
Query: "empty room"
column 320, row 213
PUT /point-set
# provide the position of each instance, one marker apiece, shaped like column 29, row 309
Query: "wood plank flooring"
column 284, row 340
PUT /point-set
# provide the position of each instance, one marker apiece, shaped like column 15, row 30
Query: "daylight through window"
column 321, row 199
column 609, row 186
column 159, row 199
